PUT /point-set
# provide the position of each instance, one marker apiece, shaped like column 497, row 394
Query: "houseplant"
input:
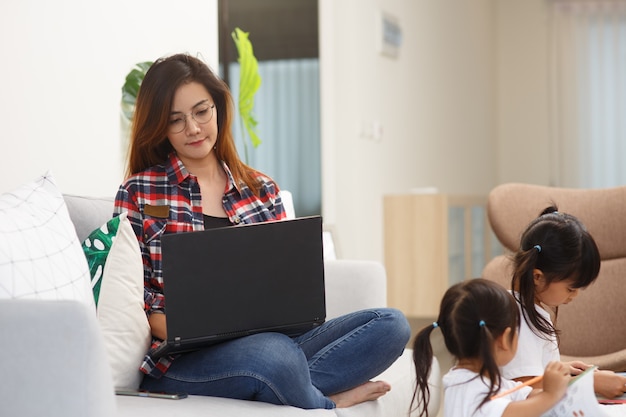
column 249, row 83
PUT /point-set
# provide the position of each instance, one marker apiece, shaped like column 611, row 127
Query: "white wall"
column 63, row 66
column 435, row 102
column 523, row 94
column 463, row 108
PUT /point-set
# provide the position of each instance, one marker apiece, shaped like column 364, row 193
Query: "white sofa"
column 53, row 361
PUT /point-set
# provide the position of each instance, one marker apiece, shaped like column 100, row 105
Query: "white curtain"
column 588, row 78
column 287, row 109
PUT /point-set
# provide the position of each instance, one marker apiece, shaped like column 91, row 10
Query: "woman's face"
column 192, row 105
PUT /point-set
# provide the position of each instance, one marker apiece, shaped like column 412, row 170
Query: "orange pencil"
column 531, row 381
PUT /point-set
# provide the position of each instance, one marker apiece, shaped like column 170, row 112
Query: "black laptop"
column 230, row 282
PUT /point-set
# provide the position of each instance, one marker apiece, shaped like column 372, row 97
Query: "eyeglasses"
column 201, row 115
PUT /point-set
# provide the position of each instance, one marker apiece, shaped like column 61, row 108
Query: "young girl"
column 557, row 257
column 479, row 320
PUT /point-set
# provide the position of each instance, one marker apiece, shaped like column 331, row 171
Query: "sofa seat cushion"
column 199, row 406
column 401, row 376
column 395, row 403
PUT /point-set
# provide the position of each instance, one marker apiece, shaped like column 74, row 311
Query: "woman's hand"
column 609, row 384
column 158, row 326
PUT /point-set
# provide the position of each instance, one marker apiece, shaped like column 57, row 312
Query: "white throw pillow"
column 40, row 255
column 117, row 279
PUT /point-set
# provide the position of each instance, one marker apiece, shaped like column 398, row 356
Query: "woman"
column 183, row 175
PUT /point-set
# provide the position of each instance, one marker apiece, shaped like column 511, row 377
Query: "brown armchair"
column 593, row 326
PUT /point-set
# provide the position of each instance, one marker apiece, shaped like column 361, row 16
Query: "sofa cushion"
column 116, row 270
column 40, row 254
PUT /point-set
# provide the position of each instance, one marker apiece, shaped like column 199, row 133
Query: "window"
column 284, row 35
column 589, row 93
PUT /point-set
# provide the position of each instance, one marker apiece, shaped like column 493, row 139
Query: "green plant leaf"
column 249, row 83
column 130, row 89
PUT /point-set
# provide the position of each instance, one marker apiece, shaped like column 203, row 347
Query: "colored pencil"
column 531, row 381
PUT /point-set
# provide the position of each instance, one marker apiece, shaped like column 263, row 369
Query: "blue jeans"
column 302, row 371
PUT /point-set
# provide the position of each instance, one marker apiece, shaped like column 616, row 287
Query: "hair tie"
column 435, row 324
column 481, row 323
column 538, row 248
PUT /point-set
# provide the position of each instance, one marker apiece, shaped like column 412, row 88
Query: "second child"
column 557, row 257
column 479, row 320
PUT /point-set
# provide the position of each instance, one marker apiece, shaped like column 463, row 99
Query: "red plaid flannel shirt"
column 166, row 199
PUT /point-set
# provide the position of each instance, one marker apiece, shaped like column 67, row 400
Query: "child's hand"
column 608, row 384
column 555, row 379
column 577, row 367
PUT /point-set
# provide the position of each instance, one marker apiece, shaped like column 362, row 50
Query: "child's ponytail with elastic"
column 523, row 285
column 423, row 359
column 489, row 368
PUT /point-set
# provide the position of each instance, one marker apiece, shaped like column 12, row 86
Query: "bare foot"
column 368, row 391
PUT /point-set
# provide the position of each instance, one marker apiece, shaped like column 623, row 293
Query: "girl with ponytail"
column 479, row 320
column 557, row 257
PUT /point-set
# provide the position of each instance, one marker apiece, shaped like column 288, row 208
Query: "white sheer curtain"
column 588, row 77
column 287, row 108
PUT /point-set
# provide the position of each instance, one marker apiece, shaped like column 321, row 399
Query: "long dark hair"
column 472, row 315
column 560, row 246
column 149, row 144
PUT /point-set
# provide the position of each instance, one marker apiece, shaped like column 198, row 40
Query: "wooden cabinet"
column 432, row 241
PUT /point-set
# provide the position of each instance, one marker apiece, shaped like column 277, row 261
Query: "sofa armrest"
column 53, row 360
column 353, row 285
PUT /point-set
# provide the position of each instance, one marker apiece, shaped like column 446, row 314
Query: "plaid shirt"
column 166, row 199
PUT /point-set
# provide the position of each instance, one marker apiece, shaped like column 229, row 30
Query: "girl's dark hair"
column 149, row 144
column 560, row 246
column 472, row 315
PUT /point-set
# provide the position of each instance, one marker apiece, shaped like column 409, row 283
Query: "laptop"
column 230, row 282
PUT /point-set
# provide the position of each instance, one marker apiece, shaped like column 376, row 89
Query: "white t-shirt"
column 464, row 390
column 533, row 352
